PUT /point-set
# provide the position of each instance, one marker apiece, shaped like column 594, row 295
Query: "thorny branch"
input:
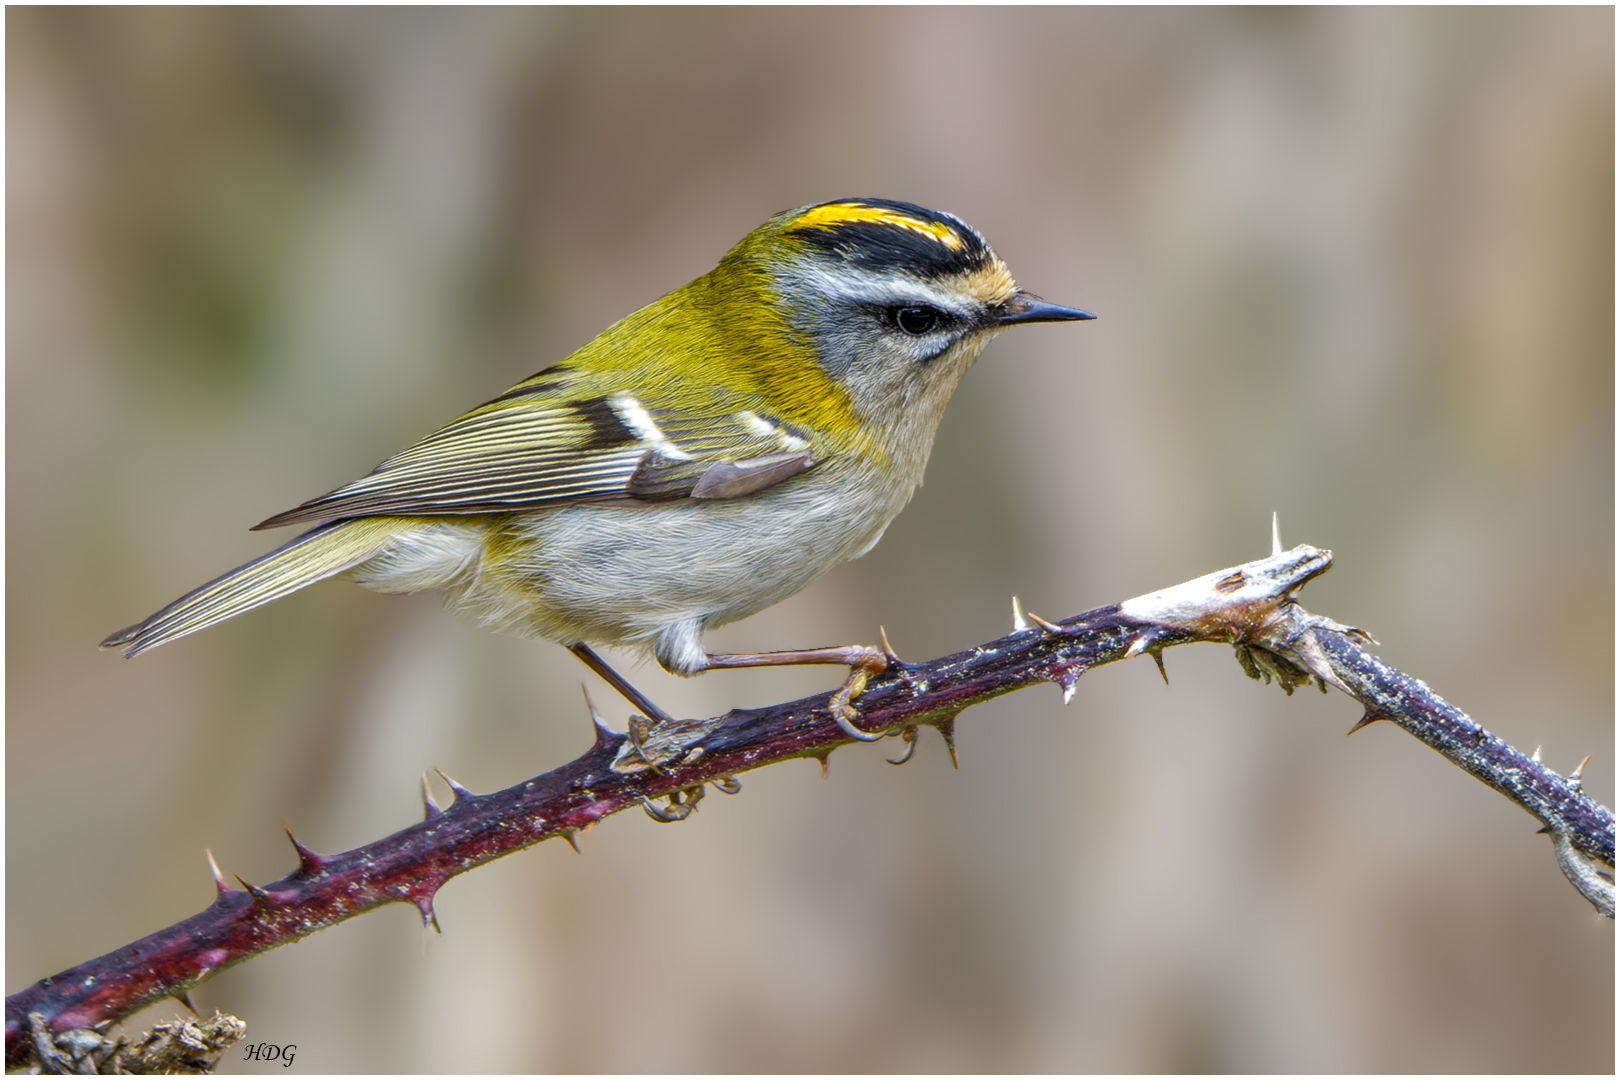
column 1251, row 607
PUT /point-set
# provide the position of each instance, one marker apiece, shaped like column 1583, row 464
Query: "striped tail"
column 320, row 553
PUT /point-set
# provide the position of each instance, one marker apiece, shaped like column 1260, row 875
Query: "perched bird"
column 696, row 462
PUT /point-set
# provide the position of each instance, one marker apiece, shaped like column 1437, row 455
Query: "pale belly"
column 655, row 576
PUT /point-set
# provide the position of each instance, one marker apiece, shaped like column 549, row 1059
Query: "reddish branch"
column 1251, row 607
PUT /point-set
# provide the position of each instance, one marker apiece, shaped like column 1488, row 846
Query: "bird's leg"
column 619, row 683
column 863, row 662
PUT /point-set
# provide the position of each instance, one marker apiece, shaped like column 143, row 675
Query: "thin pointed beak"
column 1025, row 308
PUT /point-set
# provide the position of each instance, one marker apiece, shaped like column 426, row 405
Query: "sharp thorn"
column 1019, row 622
column 460, row 792
column 430, row 918
column 910, row 737
column 259, row 895
column 569, row 835
column 1070, row 682
column 1276, row 535
column 1536, row 757
column 308, row 861
column 1049, row 627
column 1158, row 658
column 888, row 650
column 1575, row 777
column 947, row 731
column 605, row 736
column 727, row 785
column 825, row 759
column 185, row 999
column 1367, row 717
column 219, row 878
column 1544, row 830
column 1143, row 642
column 430, row 808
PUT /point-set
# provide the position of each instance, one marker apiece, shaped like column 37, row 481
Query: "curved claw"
column 910, row 736
column 727, row 785
column 681, row 803
column 843, row 712
column 847, row 725
column 677, row 812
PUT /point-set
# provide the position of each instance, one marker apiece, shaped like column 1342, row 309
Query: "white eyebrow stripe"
column 870, row 288
column 640, row 422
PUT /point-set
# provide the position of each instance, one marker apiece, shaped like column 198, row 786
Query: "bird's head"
column 892, row 300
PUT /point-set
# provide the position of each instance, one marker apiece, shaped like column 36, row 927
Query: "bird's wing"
column 539, row 445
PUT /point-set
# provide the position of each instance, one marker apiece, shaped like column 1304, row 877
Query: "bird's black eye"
column 918, row 319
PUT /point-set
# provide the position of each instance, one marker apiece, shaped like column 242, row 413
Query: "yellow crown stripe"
column 833, row 215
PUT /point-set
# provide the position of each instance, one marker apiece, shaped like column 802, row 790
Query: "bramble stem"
column 1251, row 607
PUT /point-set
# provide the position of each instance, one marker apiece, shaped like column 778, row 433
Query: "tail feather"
column 320, row 553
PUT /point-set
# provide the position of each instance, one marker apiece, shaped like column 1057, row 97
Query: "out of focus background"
column 1354, row 266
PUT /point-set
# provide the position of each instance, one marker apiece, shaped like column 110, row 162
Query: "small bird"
column 698, row 461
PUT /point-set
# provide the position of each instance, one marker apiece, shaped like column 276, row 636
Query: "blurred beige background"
column 1355, row 266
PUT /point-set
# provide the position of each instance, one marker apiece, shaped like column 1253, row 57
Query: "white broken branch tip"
column 1192, row 604
column 1252, row 606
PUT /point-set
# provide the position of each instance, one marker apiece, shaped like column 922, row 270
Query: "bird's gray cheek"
column 837, row 345
column 836, row 356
